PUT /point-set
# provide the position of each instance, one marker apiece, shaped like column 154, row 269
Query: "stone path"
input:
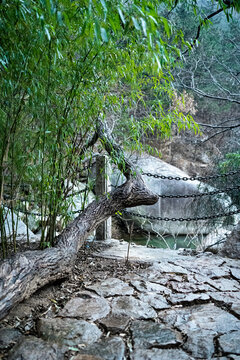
column 180, row 307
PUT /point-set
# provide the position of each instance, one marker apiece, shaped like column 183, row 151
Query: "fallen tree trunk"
column 23, row 274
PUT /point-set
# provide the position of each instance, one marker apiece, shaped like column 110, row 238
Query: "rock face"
column 231, row 247
column 79, row 198
column 20, row 229
column 174, row 207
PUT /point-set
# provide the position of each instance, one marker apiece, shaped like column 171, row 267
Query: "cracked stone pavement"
column 175, row 306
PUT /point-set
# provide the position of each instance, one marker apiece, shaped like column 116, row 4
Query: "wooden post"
column 103, row 185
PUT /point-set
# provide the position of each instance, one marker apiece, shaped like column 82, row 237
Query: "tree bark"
column 24, row 273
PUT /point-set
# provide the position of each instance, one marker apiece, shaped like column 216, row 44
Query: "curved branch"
column 28, row 271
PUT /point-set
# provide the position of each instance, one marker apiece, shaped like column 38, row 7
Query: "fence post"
column 103, row 185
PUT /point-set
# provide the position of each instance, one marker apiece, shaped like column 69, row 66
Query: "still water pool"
column 166, row 241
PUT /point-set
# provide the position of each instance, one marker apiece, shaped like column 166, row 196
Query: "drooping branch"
column 203, row 22
column 23, row 274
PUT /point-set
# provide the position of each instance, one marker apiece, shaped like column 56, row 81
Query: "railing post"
column 103, row 185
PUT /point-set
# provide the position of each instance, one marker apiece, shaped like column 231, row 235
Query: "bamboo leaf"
column 135, row 23
column 144, row 26
column 121, row 16
column 104, row 35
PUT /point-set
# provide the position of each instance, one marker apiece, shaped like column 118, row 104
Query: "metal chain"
column 7, row 197
column 230, row 213
column 192, row 178
column 210, row 193
column 38, row 214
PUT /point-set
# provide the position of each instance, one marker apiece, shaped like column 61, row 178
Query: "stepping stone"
column 115, row 323
column 87, row 307
column 158, row 302
column 132, row 307
column 107, row 349
column 225, row 284
column 187, row 299
column 70, row 332
column 36, row 349
column 165, row 267
column 147, row 286
column 147, row 334
column 190, row 287
column 201, row 324
column 9, row 336
column 235, row 273
column 111, row 287
column 230, row 343
column 85, row 357
column 160, row 354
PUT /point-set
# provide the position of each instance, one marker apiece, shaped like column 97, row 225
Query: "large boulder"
column 175, row 207
column 231, row 247
column 79, row 198
column 15, row 226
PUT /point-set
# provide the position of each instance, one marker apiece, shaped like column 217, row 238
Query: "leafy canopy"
column 63, row 63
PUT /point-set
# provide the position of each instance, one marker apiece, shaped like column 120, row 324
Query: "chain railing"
column 197, row 218
column 191, row 178
column 209, row 193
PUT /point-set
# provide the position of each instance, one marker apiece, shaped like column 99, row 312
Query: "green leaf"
column 157, row 60
column 166, row 26
column 48, row 6
column 144, row 26
column 153, row 19
column 97, row 30
column 104, row 34
column 104, row 5
column 135, row 23
column 47, row 33
column 121, row 16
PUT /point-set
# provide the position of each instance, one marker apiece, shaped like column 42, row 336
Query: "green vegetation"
column 64, row 64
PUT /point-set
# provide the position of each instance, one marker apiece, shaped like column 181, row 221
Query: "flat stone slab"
column 235, row 273
column 8, row 337
column 132, row 307
column 225, row 284
column 207, row 265
column 147, row 286
column 111, row 287
column 201, row 323
column 230, row 343
column 190, row 287
column 67, row 331
column 157, row 301
column 228, row 298
column 236, row 308
column 147, row 334
column 160, row 354
column 165, row 267
column 86, row 307
column 118, row 250
column 187, row 299
column 36, row 349
column 115, row 323
column 107, row 349
column 85, row 357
